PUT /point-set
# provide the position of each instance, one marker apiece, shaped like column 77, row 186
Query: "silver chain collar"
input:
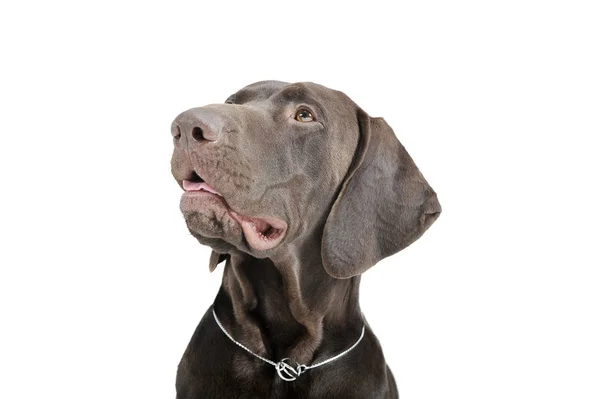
column 286, row 371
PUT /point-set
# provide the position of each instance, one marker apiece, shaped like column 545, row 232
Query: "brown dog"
column 300, row 191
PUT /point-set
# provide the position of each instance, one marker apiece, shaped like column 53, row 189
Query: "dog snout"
column 201, row 125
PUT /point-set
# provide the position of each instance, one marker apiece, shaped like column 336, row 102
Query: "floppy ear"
column 215, row 259
column 384, row 205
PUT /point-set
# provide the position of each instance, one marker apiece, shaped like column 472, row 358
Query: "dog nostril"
column 198, row 134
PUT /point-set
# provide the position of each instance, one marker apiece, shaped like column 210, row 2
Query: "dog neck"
column 289, row 306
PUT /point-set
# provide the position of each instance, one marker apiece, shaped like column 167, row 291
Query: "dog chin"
column 232, row 239
column 219, row 245
column 211, row 231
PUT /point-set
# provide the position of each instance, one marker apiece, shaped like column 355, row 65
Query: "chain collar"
column 285, row 370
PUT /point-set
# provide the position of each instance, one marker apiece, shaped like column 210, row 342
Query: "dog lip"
column 261, row 233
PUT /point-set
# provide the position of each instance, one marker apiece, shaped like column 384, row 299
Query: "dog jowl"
column 299, row 191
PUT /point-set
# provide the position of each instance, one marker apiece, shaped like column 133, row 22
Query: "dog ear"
column 384, row 205
column 215, row 259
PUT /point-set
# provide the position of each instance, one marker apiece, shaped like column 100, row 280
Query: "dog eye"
column 304, row 115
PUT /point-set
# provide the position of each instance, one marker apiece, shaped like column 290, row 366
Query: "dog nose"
column 200, row 125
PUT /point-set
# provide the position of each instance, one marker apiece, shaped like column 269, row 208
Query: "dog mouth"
column 262, row 233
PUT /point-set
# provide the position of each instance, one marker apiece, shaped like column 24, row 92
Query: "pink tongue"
column 195, row 186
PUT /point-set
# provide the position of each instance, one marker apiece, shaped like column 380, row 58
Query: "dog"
column 299, row 191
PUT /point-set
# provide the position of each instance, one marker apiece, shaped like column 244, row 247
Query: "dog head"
column 280, row 162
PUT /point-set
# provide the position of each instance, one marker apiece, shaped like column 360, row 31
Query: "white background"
column 101, row 285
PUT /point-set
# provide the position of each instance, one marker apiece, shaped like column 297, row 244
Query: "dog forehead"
column 283, row 92
column 257, row 91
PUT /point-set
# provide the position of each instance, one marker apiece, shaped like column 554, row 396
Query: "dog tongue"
column 197, row 186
